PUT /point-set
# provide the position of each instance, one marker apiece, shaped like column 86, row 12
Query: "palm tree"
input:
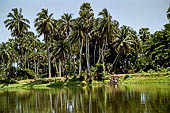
column 86, row 18
column 105, row 30
column 44, row 25
column 77, row 36
column 67, row 26
column 18, row 25
column 168, row 13
column 125, row 42
column 60, row 51
column 4, row 56
column 144, row 34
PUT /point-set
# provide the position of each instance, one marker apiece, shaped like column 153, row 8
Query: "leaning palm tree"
column 125, row 42
column 86, row 18
column 18, row 25
column 168, row 13
column 44, row 26
column 105, row 30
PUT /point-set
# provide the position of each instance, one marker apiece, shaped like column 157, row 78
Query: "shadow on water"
column 93, row 99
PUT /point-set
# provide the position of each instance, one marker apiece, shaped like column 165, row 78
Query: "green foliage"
column 83, row 83
column 99, row 72
column 151, row 71
column 83, row 41
column 25, row 74
column 127, row 76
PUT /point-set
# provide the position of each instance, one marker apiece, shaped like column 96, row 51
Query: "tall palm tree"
column 125, row 42
column 61, row 49
column 18, row 25
column 44, row 25
column 86, row 18
column 168, row 13
column 77, row 36
column 67, row 26
column 4, row 56
column 105, row 29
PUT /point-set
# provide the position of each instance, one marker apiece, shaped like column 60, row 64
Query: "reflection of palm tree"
column 44, row 26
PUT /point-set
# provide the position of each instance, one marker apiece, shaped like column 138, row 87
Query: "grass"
column 48, row 82
column 147, row 78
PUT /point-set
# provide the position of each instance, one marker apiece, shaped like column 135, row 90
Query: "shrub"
column 83, row 83
column 126, row 77
column 151, row 71
column 99, row 71
column 25, row 74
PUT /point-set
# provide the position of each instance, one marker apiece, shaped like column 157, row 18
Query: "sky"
column 133, row 13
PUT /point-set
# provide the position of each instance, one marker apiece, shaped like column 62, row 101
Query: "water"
column 96, row 99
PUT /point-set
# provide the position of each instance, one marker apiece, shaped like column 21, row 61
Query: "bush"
column 126, row 77
column 25, row 74
column 83, row 83
column 99, row 71
column 151, row 71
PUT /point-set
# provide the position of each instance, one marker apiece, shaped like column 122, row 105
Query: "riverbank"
column 136, row 78
column 50, row 82
column 146, row 78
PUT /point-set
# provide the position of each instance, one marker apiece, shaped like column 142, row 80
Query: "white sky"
column 133, row 13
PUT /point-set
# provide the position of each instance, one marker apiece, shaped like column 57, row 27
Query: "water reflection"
column 97, row 99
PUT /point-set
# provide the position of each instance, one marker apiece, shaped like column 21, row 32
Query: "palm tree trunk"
column 87, row 56
column 70, row 59
column 38, row 67
column 49, row 61
column 74, row 65
column 81, row 48
column 101, row 54
column 25, row 60
column 35, row 67
column 95, row 52
column 11, row 61
column 59, row 68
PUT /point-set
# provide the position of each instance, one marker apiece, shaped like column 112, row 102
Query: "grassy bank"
column 50, row 82
column 158, row 77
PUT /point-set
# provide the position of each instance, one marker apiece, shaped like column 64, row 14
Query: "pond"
column 152, row 98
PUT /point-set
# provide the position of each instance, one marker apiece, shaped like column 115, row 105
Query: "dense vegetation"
column 83, row 47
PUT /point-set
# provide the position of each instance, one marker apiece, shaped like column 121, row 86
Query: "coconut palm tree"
column 168, row 13
column 125, row 42
column 87, row 18
column 144, row 34
column 60, row 51
column 18, row 25
column 44, row 25
column 77, row 36
column 105, row 30
column 67, row 26
column 4, row 56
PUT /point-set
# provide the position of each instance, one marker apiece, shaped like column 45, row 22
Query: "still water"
column 96, row 99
